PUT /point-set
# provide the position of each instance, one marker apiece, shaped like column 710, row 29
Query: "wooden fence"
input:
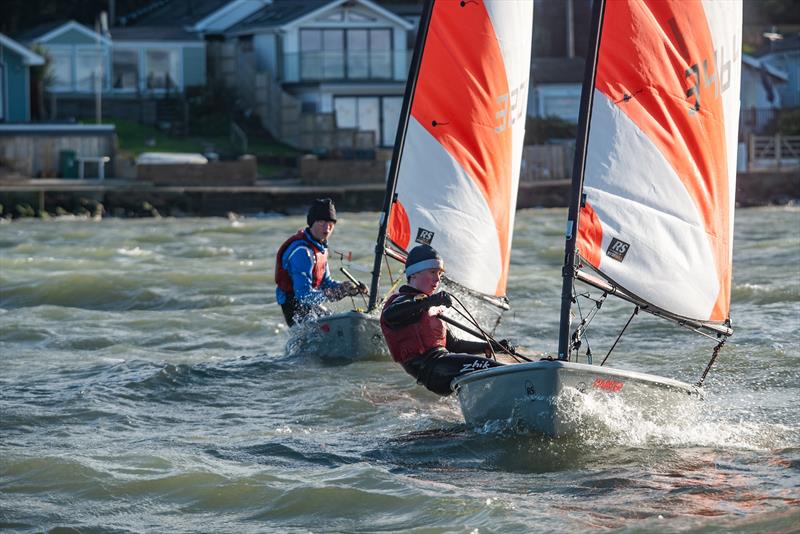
column 546, row 162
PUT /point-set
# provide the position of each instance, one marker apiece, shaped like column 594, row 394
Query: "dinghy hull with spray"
column 350, row 335
column 540, row 396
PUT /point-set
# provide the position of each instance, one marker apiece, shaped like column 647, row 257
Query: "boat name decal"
column 607, row 384
column 424, row 237
column 529, row 389
column 617, row 249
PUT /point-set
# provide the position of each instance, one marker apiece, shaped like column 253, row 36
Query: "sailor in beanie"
column 417, row 338
column 302, row 275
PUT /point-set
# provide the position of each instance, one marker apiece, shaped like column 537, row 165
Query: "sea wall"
column 220, row 173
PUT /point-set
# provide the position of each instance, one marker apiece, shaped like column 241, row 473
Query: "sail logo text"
column 424, row 237
column 617, row 249
column 511, row 106
column 717, row 75
column 607, row 384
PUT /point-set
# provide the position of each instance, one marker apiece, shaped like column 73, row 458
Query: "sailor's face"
column 428, row 280
column 322, row 230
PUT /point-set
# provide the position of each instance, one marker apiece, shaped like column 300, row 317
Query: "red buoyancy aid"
column 410, row 341
column 282, row 277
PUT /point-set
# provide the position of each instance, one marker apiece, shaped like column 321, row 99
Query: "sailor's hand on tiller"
column 442, row 298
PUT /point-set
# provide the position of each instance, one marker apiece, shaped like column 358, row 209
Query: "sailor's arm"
column 407, row 309
column 462, row 346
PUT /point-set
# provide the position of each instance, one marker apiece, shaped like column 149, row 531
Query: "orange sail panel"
column 660, row 169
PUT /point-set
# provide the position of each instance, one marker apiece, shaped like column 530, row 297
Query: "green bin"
column 67, row 164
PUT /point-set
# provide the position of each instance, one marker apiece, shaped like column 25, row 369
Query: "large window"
column 88, row 70
column 125, row 70
column 161, row 69
column 345, row 54
column 62, row 68
column 369, row 113
column 2, row 93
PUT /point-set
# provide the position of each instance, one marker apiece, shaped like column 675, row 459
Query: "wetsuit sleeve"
column 300, row 265
column 462, row 346
column 405, row 310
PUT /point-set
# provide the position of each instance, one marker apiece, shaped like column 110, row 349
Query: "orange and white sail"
column 660, row 169
column 459, row 170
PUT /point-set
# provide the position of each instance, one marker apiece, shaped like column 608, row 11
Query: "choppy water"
column 143, row 388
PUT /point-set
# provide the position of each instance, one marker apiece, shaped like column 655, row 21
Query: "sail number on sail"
column 510, row 107
column 706, row 77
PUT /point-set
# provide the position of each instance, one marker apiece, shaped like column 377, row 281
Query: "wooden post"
column 751, row 145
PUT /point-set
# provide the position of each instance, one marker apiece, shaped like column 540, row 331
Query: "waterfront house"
column 784, row 54
column 15, row 80
column 761, row 96
column 343, row 61
column 130, row 69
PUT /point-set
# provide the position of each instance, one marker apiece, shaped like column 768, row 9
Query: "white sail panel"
column 660, row 168
column 668, row 260
column 469, row 107
column 454, row 211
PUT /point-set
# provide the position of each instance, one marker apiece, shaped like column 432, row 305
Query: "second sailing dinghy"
column 651, row 213
column 455, row 166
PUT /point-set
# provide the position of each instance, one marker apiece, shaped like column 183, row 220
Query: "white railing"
column 775, row 152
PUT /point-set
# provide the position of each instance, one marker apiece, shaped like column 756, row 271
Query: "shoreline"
column 133, row 198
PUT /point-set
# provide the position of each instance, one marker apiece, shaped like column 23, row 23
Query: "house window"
column 125, row 70
column 161, row 69
column 380, row 55
column 89, row 70
column 369, row 113
column 246, row 43
column 321, row 54
column 2, row 93
column 357, row 54
column 390, row 113
column 62, row 69
column 345, row 54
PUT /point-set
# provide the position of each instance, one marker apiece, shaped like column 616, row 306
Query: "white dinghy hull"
column 348, row 335
column 531, row 395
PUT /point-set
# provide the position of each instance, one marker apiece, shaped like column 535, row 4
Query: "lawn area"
column 135, row 138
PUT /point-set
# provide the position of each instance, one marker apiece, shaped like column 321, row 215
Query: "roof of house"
column 557, row 70
column 152, row 33
column 30, row 34
column 46, row 31
column 758, row 64
column 183, row 13
column 279, row 13
column 28, row 57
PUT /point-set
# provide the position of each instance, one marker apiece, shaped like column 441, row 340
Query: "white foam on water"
column 608, row 419
column 136, row 251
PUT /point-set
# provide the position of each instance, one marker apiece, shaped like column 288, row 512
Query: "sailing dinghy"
column 455, row 165
column 651, row 213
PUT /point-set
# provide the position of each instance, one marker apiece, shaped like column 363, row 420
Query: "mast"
column 579, row 163
column 399, row 141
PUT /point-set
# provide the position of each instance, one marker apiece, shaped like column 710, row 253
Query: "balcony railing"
column 345, row 66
